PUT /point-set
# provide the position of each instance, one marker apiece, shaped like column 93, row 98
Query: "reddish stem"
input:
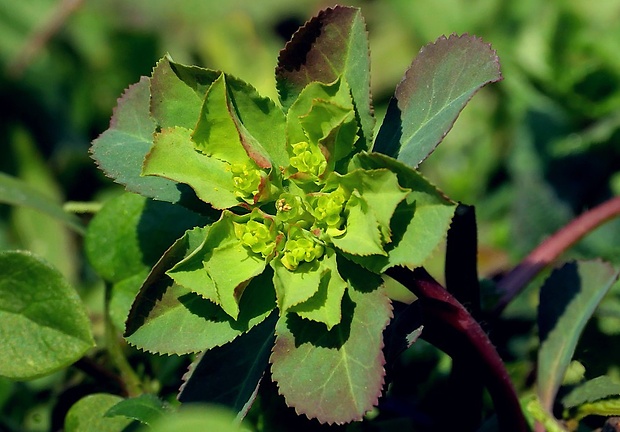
column 450, row 327
column 550, row 249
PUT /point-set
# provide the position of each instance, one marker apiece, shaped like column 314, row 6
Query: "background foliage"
column 530, row 153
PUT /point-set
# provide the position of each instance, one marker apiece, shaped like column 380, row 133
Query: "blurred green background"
column 530, row 152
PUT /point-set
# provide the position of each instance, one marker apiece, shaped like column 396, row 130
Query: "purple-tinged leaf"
column 330, row 45
column 567, row 301
column 230, row 375
column 120, row 150
column 436, row 87
column 334, row 376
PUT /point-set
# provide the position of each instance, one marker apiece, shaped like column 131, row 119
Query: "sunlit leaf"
column 324, row 305
column 420, row 222
column 120, row 150
column 174, row 156
column 167, row 318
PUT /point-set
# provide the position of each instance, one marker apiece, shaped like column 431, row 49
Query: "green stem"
column 80, row 207
column 133, row 385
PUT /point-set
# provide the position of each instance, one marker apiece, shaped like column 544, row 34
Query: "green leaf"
column 323, row 114
column 174, row 156
column 146, row 408
column 230, row 375
column 324, row 305
column 120, row 150
column 207, row 270
column 130, row 233
column 334, row 376
column 88, row 414
column 590, row 391
column 199, row 418
column 330, row 45
column 167, row 318
column 18, row 193
column 436, row 87
column 294, row 287
column 362, row 236
column 43, row 322
column 216, row 133
column 419, row 223
column 122, row 296
column 247, row 106
column 173, row 102
column 567, row 301
column 369, row 211
column 604, row 407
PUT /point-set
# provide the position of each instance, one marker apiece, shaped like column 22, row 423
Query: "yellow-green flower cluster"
column 257, row 236
column 308, row 159
column 246, row 179
column 328, row 208
column 300, row 247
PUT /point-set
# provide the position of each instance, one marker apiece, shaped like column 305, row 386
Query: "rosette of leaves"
column 311, row 209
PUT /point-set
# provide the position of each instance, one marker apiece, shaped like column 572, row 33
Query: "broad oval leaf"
column 567, row 301
column 43, row 323
column 199, row 417
column 130, row 233
column 146, row 408
column 436, row 87
column 334, row 376
column 88, row 414
column 332, row 44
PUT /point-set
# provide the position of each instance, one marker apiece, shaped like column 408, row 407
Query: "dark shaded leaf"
column 230, row 375
column 567, row 301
